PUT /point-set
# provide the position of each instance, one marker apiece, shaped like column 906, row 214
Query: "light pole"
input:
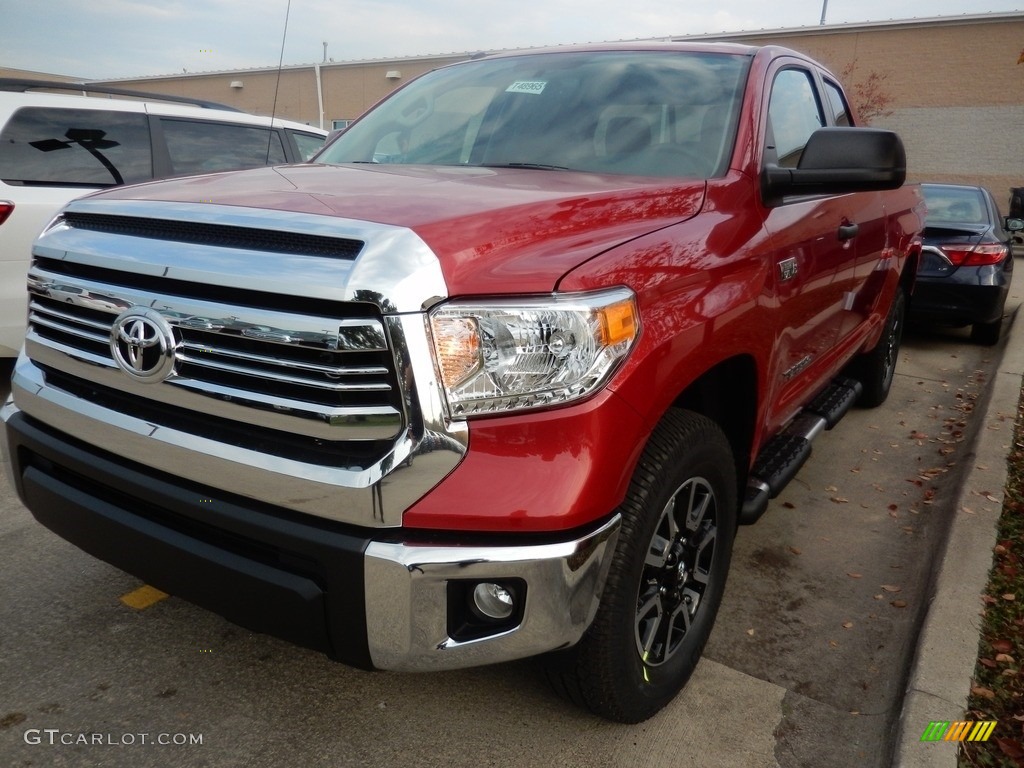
column 824, row 9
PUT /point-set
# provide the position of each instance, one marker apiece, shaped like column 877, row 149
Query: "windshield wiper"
column 531, row 166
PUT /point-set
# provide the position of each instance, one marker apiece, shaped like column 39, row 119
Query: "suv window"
column 795, row 114
column 197, row 146
column 75, row 147
column 308, row 144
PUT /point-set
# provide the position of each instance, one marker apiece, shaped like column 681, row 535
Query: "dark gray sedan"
column 967, row 261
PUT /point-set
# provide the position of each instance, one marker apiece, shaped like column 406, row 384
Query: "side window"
column 75, row 147
column 308, row 143
column 195, row 146
column 794, row 114
column 838, row 102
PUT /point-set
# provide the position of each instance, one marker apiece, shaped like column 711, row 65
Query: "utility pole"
column 824, row 9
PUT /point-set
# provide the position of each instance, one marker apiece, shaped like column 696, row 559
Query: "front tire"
column 666, row 578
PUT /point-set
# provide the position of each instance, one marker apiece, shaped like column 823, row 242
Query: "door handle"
column 848, row 231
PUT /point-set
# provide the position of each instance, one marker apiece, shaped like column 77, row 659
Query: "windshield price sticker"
column 527, row 86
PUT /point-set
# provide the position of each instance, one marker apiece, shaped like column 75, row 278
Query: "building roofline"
column 290, row 67
column 840, row 28
column 860, row 26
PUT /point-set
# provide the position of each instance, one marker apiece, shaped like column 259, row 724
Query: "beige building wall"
column 957, row 93
column 348, row 88
column 28, row 74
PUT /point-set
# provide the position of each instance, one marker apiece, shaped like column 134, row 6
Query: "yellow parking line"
column 143, row 597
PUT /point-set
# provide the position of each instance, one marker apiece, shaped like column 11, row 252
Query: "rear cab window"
column 836, row 99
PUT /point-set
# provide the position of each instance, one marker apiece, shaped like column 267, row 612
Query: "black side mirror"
column 840, row 160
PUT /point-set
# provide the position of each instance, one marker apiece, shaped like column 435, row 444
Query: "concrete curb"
column 947, row 648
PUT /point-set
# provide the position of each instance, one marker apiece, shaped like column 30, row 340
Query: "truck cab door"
column 863, row 235
column 810, row 251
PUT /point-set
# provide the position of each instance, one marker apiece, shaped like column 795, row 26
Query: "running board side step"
column 783, row 455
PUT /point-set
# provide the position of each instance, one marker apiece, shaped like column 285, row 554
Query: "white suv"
column 55, row 147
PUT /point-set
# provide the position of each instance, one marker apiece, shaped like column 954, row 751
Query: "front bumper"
column 384, row 601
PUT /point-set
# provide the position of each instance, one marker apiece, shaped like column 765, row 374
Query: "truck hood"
column 494, row 230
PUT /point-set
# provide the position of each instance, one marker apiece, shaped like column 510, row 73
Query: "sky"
column 127, row 38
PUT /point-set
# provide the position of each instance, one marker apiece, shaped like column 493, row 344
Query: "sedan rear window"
column 954, row 205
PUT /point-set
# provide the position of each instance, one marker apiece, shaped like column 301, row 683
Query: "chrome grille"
column 330, row 378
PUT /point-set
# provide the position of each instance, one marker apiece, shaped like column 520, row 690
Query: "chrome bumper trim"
column 376, row 496
column 407, row 602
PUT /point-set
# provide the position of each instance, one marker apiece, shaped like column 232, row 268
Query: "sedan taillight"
column 974, row 256
column 6, row 208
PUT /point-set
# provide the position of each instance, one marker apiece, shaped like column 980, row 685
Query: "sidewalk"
column 947, row 648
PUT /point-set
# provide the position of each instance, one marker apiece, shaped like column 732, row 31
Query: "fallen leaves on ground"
column 1001, row 646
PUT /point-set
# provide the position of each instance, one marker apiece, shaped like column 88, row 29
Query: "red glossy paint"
column 494, row 230
column 546, row 471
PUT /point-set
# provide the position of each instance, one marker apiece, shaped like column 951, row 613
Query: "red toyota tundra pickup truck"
column 496, row 375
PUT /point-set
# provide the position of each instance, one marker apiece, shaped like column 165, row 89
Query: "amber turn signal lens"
column 618, row 323
column 457, row 340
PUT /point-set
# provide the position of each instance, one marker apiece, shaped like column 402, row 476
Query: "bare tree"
column 869, row 94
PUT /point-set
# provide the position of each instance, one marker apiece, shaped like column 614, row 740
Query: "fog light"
column 493, row 600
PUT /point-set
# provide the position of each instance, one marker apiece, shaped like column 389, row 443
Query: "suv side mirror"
column 840, row 160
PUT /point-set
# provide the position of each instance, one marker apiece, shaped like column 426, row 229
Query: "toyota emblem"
column 143, row 344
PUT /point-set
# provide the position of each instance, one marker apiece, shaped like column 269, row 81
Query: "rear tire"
column 876, row 369
column 987, row 334
column 666, row 578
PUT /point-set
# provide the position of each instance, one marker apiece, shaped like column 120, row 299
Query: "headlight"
column 517, row 354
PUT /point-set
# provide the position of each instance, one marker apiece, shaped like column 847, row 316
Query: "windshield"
column 637, row 113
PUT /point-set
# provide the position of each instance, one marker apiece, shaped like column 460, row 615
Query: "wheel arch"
column 728, row 395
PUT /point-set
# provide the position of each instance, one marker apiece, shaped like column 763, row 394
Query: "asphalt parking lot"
column 806, row 667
